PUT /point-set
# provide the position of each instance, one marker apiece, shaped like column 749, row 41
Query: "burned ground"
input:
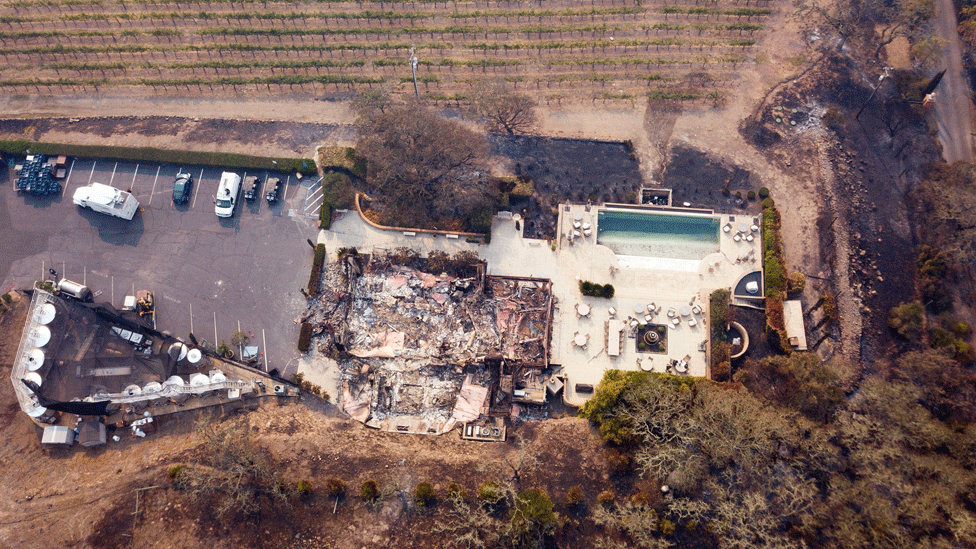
column 877, row 159
column 298, row 137
column 561, row 170
column 706, row 182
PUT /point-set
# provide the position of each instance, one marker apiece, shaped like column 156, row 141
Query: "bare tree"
column 470, row 526
column 504, row 109
column 420, row 163
column 231, row 471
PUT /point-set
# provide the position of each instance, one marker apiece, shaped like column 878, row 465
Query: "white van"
column 230, row 187
column 106, row 200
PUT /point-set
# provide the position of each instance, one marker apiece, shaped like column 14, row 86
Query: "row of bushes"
column 775, row 272
column 720, row 315
column 337, row 194
column 305, row 337
column 316, row 275
column 593, row 289
column 20, row 147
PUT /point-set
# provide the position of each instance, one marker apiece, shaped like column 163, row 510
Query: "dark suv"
column 181, row 188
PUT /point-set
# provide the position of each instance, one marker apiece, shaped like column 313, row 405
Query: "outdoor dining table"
column 685, row 310
column 580, row 340
column 638, row 308
column 743, row 227
column 583, row 309
column 578, row 216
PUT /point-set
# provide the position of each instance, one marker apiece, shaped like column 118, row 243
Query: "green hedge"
column 593, row 289
column 337, row 194
column 305, row 166
column 305, row 337
column 316, row 275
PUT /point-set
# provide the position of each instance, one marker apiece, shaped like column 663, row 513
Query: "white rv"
column 107, row 200
column 230, row 186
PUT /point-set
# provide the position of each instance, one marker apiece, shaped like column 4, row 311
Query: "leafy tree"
column 908, row 319
column 532, row 518
column 504, row 109
column 800, row 381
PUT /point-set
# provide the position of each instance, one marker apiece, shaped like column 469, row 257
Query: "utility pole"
column 413, row 67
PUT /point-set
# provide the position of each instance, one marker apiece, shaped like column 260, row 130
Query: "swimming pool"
column 659, row 235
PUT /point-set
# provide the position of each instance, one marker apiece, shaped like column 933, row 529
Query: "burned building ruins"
column 427, row 345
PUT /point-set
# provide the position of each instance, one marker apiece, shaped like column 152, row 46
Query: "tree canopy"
column 421, row 167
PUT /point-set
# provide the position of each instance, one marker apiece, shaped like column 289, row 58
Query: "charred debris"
column 426, row 345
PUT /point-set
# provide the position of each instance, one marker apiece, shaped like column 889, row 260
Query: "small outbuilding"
column 795, row 330
column 91, row 434
column 58, row 435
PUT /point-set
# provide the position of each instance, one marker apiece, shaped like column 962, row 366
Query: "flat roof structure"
column 91, row 359
column 793, row 318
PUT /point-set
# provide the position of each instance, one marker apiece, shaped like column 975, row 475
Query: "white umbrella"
column 35, row 359
column 42, row 334
column 194, row 356
column 46, row 313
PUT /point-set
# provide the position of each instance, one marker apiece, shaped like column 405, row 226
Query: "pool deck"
column 637, row 282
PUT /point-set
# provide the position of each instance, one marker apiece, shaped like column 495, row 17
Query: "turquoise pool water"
column 649, row 234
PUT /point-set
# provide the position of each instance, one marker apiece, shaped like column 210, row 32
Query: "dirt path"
column 953, row 106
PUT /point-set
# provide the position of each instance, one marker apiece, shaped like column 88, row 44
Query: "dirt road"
column 954, row 106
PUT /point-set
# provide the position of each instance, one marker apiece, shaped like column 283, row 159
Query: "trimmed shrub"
column 593, row 289
column 305, row 337
column 775, row 276
column 316, row 275
column 369, row 491
column 751, row 195
column 606, row 497
column 768, row 203
column 574, row 496
column 480, row 220
column 721, row 352
column 454, row 491
column 424, row 494
column 719, row 311
column 796, row 282
column 763, row 193
column 908, row 319
column 488, row 492
column 335, row 487
column 721, row 370
column 337, row 194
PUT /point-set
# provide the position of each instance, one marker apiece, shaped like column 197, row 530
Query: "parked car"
column 252, row 186
column 181, row 188
column 274, row 188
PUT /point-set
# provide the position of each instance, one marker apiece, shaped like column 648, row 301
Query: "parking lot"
column 210, row 275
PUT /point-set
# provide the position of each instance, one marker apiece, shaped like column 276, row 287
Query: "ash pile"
column 425, row 345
